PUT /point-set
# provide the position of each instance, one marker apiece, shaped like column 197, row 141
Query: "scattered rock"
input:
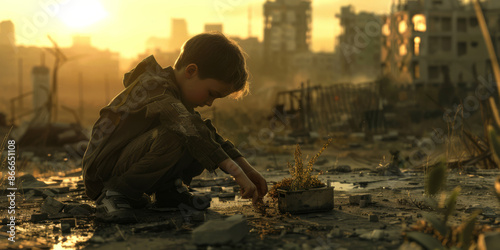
column 199, row 216
column 232, row 229
column 65, row 228
column 227, row 195
column 83, row 210
column 48, row 193
column 39, row 217
column 29, row 181
column 362, row 203
column 70, row 221
column 335, row 233
column 59, row 190
column 489, row 240
column 376, row 234
column 51, row 206
column 343, row 169
column 373, row 218
column 97, row 239
column 356, row 198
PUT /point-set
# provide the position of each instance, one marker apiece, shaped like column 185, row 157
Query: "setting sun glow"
column 80, row 14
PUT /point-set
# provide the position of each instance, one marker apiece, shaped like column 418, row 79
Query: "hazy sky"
column 125, row 25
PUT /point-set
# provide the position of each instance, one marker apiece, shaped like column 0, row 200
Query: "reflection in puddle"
column 341, row 186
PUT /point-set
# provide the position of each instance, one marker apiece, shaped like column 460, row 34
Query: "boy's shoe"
column 180, row 198
column 117, row 208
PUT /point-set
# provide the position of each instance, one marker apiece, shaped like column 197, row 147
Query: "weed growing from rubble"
column 3, row 160
column 301, row 177
column 434, row 232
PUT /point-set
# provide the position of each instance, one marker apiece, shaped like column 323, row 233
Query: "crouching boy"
column 149, row 140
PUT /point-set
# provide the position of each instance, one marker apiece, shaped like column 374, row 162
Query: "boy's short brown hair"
column 217, row 57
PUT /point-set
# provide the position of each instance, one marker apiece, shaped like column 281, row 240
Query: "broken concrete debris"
column 374, row 235
column 373, row 218
column 65, row 228
column 51, row 206
column 356, row 199
column 231, row 230
column 39, row 217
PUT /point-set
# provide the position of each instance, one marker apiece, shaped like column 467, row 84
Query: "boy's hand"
column 259, row 182
column 254, row 176
column 248, row 190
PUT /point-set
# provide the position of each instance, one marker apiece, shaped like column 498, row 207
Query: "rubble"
column 372, row 218
column 29, row 181
column 356, row 199
column 51, row 206
column 489, row 240
column 39, row 217
column 231, row 230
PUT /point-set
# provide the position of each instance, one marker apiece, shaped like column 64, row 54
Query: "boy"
column 149, row 140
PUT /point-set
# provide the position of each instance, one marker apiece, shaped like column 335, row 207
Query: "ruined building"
column 431, row 42
column 178, row 34
column 358, row 45
column 287, row 31
column 8, row 57
column 88, row 77
column 210, row 27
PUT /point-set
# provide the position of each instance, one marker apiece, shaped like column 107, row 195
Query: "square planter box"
column 305, row 201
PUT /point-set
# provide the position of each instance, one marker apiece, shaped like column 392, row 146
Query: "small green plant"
column 301, row 176
column 434, row 232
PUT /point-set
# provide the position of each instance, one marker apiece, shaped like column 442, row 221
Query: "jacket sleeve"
column 227, row 145
column 195, row 135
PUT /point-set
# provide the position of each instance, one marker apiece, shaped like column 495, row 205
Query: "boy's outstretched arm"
column 248, row 188
column 253, row 175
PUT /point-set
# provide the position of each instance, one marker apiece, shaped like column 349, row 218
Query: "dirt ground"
column 397, row 204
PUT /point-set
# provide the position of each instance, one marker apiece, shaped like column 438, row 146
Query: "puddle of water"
column 342, row 186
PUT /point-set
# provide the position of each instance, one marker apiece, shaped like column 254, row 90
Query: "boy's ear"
column 191, row 70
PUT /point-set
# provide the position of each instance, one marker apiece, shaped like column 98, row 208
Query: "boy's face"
column 198, row 92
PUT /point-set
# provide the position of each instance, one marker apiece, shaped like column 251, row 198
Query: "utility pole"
column 80, row 95
column 106, row 89
column 20, row 81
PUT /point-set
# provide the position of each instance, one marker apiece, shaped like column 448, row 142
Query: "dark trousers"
column 151, row 163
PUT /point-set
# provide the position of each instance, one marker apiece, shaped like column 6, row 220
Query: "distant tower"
column 7, row 34
column 249, row 21
column 287, row 31
column 8, row 57
column 81, row 42
column 178, row 34
column 41, row 92
column 213, row 27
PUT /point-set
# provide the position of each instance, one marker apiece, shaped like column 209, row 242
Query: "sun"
column 81, row 14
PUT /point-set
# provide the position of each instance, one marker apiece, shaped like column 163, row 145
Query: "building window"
column 473, row 22
column 416, row 70
column 446, row 43
column 416, row 45
column 433, row 23
column 402, row 50
column 402, row 27
column 446, row 24
column 433, row 44
column 419, row 23
column 462, row 25
column 462, row 48
column 433, row 72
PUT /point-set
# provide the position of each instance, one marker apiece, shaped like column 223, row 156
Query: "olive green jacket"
column 151, row 96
